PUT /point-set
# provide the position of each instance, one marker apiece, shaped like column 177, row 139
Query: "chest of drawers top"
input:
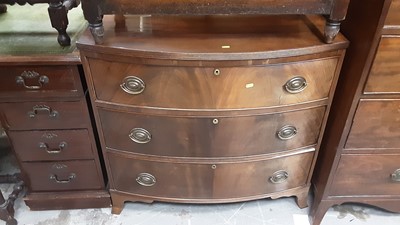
column 212, row 37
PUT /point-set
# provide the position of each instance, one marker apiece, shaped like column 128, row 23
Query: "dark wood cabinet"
column 195, row 110
column 44, row 110
column 359, row 156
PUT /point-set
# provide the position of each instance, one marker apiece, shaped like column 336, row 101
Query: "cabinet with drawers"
column 196, row 110
column 359, row 156
column 44, row 110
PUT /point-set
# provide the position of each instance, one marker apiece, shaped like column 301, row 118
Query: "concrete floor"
column 262, row 212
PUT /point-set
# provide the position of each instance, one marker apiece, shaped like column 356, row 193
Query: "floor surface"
column 262, row 212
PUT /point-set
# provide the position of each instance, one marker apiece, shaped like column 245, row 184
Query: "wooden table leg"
column 3, row 8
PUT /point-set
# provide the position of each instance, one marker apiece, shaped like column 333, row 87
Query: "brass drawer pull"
column 66, row 181
column 45, row 146
column 42, row 108
column 133, row 85
column 396, row 175
column 31, row 74
column 287, row 132
column 146, row 179
column 140, row 135
column 279, row 176
column 296, row 85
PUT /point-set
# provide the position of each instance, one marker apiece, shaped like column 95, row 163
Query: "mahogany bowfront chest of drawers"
column 360, row 154
column 210, row 109
column 44, row 111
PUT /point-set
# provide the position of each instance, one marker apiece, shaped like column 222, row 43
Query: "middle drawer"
column 211, row 137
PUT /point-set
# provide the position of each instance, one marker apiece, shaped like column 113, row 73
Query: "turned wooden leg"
column 7, row 206
column 59, row 21
column 317, row 212
column 97, row 31
column 301, row 198
column 3, row 8
column 93, row 14
column 117, row 203
column 331, row 30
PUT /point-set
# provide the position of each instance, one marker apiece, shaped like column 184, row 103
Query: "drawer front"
column 39, row 81
column 376, row 125
column 367, row 175
column 211, row 137
column 45, row 115
column 62, row 176
column 393, row 17
column 211, row 180
column 212, row 88
column 51, row 145
column 385, row 73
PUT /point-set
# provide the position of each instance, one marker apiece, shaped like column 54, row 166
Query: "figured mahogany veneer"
column 210, row 181
column 210, row 109
column 359, row 156
column 243, row 87
column 212, row 136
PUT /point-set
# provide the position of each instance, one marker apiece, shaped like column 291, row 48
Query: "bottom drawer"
column 367, row 174
column 62, row 176
column 207, row 180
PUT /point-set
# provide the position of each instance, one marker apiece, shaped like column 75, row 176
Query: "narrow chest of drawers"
column 44, row 110
column 189, row 106
column 359, row 160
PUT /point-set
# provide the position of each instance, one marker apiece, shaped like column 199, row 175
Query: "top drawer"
column 39, row 81
column 385, row 73
column 212, row 88
column 393, row 17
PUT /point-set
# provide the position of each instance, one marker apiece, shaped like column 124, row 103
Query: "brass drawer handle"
column 45, row 146
column 133, row 85
column 66, row 181
column 279, row 177
column 396, row 175
column 287, row 132
column 140, row 135
column 146, row 179
column 31, row 74
column 42, row 108
column 296, row 85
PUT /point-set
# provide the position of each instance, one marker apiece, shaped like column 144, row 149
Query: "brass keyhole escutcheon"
column 217, row 72
column 215, row 121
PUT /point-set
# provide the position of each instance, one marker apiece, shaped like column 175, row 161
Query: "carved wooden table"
column 58, row 10
column 335, row 10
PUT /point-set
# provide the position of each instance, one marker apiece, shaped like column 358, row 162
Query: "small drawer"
column 393, row 17
column 208, row 180
column 45, row 115
column 384, row 77
column 211, row 136
column 212, row 88
column 51, row 145
column 372, row 174
column 376, row 125
column 39, row 82
column 62, row 176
